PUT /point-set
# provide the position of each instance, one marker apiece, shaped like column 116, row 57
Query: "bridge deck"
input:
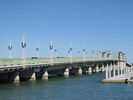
column 19, row 61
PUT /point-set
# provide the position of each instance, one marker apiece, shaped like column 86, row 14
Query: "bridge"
column 30, row 69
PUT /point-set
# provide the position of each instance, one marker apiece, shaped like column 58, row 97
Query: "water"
column 85, row 87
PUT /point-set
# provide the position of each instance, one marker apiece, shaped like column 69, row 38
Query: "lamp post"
column 84, row 52
column 71, row 52
column 78, row 53
column 37, row 49
column 51, row 58
column 55, row 52
column 93, row 54
column 23, row 46
column 10, row 48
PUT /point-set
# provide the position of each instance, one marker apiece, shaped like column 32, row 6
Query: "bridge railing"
column 16, row 61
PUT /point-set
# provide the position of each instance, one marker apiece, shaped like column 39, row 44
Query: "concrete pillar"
column 90, row 70
column 33, row 77
column 80, row 71
column 106, row 72
column 97, row 69
column 118, row 69
column 103, row 68
column 114, row 70
column 110, row 71
column 66, row 73
column 27, row 75
column 128, row 74
column 45, row 75
column 121, row 70
column 120, row 56
column 16, row 77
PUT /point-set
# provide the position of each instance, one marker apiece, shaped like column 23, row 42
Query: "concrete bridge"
column 16, row 70
column 29, row 69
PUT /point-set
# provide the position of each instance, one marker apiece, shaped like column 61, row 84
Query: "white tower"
column 55, row 52
column 10, row 48
column 51, row 58
column 23, row 46
column 37, row 49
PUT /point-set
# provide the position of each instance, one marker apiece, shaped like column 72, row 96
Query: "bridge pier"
column 106, row 72
column 66, row 73
column 33, row 76
column 114, row 70
column 28, row 75
column 97, row 69
column 80, row 71
column 44, row 74
column 89, row 70
column 14, row 77
column 102, row 69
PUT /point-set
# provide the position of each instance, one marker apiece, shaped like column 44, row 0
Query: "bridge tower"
column 10, row 48
column 120, row 56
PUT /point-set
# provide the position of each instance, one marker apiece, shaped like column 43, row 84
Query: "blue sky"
column 105, row 24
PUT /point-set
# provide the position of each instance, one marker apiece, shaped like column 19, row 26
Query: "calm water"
column 85, row 87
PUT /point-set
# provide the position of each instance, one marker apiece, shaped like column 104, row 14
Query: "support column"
column 90, row 70
column 97, row 69
column 33, row 77
column 114, row 70
column 106, row 72
column 66, row 73
column 110, row 72
column 103, row 68
column 118, row 70
column 16, row 77
column 45, row 75
column 80, row 71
